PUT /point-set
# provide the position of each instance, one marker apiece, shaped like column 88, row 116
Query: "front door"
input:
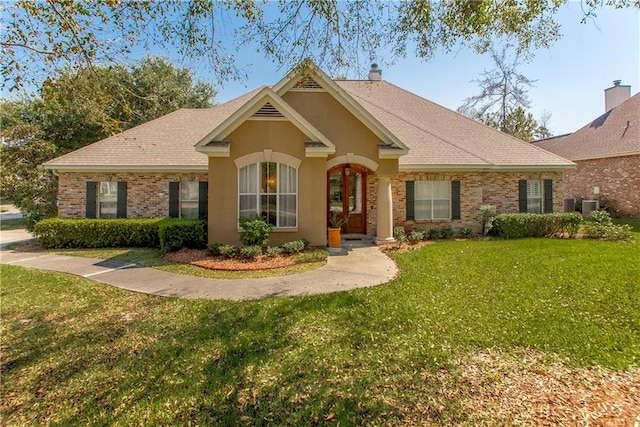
column 347, row 194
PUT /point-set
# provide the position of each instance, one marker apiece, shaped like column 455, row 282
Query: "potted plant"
column 336, row 221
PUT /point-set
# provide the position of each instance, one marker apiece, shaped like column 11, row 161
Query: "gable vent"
column 307, row 83
column 267, row 110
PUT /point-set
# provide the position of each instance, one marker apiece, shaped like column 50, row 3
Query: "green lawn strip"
column 11, row 224
column 149, row 257
column 79, row 352
column 634, row 223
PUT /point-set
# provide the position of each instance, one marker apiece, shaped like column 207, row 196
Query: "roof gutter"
column 147, row 168
column 484, row 168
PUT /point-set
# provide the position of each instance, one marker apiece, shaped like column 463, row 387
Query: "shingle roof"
column 615, row 133
column 438, row 136
column 164, row 143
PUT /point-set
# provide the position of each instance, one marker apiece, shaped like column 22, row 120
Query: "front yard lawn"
column 533, row 331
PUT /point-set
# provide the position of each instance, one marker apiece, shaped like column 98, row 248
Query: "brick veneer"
column 617, row 177
column 147, row 193
column 476, row 189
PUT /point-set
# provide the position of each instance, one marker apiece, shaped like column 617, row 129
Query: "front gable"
column 265, row 106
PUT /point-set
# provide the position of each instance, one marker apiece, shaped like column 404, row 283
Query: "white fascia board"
column 344, row 99
column 319, row 151
column 132, row 168
column 483, row 168
column 391, row 153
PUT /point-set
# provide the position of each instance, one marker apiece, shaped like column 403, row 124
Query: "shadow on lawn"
column 282, row 361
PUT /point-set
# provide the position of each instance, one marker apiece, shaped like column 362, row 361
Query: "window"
column 108, row 200
column 268, row 190
column 432, row 200
column 534, row 196
column 189, row 198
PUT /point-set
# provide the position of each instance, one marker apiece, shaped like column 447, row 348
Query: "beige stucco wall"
column 254, row 136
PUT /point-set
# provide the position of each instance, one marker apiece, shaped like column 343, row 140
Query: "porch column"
column 384, row 230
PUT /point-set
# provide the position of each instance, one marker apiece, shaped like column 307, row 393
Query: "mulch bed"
column 201, row 258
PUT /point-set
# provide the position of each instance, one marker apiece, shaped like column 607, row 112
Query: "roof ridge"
column 476, row 122
column 423, row 129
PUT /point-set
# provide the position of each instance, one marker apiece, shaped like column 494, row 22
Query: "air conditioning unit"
column 569, row 205
column 589, row 206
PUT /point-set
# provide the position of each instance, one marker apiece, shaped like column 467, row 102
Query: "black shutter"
column 122, row 200
column 522, row 195
column 203, row 199
column 90, row 210
column 455, row 199
column 410, row 201
column 174, row 199
column 548, row 195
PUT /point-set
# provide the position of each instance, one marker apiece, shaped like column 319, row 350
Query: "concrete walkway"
column 358, row 264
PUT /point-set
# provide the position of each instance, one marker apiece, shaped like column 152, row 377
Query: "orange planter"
column 334, row 237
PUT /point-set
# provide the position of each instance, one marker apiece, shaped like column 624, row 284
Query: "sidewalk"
column 357, row 265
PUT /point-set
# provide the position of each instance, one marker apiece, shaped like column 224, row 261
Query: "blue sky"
column 571, row 75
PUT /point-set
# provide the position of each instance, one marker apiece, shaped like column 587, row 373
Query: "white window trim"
column 415, row 199
column 181, row 200
column 277, row 194
column 99, row 199
column 540, row 198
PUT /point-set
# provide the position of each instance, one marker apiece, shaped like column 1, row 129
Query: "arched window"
column 269, row 190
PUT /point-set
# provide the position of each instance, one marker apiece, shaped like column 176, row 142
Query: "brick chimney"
column 616, row 95
column 375, row 73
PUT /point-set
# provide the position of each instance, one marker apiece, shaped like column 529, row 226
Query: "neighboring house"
column 305, row 147
column 606, row 152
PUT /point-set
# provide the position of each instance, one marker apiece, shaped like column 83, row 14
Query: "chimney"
column 616, row 95
column 375, row 73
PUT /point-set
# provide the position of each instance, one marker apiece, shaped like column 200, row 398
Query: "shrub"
column 488, row 213
column 250, row 252
column 228, row 251
column 465, row 232
column 601, row 217
column 254, row 232
column 274, row 250
column 611, row 232
column 415, row 236
column 600, row 226
column 517, row 225
column 212, row 248
column 446, row 232
column 433, row 234
column 293, row 247
column 608, row 204
column 97, row 233
column 399, row 234
column 177, row 233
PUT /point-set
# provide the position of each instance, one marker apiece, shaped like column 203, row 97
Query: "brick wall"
column 476, row 189
column 147, row 193
column 617, row 177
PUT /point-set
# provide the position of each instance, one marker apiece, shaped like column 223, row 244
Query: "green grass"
column 149, row 257
column 78, row 352
column 11, row 224
column 634, row 223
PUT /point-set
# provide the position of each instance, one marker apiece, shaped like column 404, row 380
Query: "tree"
column 80, row 107
column 77, row 108
column 543, row 131
column 54, row 34
column 520, row 124
column 502, row 91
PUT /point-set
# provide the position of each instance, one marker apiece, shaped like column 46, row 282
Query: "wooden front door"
column 347, row 188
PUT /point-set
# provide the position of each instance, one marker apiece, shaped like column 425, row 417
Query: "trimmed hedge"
column 97, row 233
column 177, row 233
column 167, row 233
column 518, row 225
